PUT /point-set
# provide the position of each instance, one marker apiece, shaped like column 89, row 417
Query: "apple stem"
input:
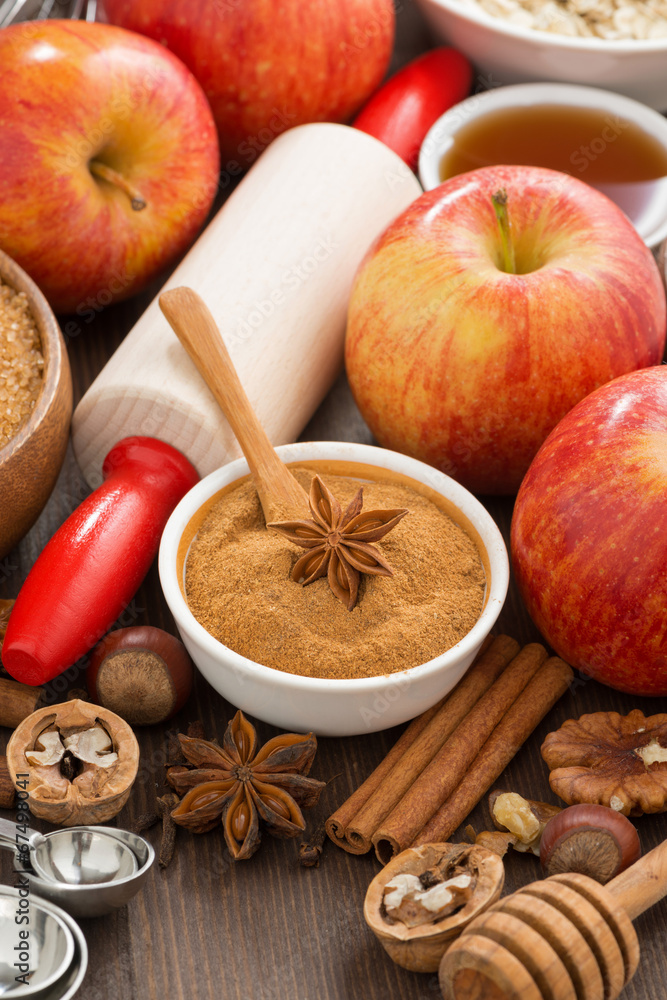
column 499, row 200
column 113, row 177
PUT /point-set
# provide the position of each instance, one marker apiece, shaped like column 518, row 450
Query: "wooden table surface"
column 267, row 929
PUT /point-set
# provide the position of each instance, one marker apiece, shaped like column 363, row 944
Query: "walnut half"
column 76, row 761
column 612, row 760
column 423, row 899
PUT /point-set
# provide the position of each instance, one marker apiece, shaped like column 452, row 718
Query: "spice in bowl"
column 239, row 585
column 21, row 362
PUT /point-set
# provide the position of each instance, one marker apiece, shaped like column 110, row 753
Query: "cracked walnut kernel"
column 612, row 760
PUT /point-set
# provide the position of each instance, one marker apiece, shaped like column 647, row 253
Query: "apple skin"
column 589, row 535
column 74, row 92
column 266, row 66
column 453, row 361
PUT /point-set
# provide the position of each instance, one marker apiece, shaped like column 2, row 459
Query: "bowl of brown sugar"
column 303, row 656
column 35, row 402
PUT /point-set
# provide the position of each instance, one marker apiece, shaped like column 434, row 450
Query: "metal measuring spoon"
column 47, row 958
column 67, row 985
column 94, row 897
column 75, row 856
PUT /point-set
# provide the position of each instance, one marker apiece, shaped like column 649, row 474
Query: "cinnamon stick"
column 338, row 822
column 451, row 712
column 539, row 696
column 7, row 790
column 17, row 702
column 449, row 765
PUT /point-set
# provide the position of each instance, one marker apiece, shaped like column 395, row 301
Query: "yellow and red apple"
column 455, row 361
column 266, row 65
column 589, row 535
column 108, row 159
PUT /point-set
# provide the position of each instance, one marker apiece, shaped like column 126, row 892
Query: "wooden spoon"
column 188, row 315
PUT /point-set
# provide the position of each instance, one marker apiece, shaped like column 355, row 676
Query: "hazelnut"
column 142, row 673
column 590, row 839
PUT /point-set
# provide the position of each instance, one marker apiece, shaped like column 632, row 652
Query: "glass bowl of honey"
column 609, row 141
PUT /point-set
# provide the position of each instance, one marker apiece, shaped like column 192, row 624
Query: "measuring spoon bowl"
column 128, row 863
column 73, row 855
column 69, row 983
column 31, row 963
column 79, row 856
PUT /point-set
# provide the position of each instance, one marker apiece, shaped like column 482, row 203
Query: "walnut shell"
column 93, row 796
column 610, row 760
column 421, row 948
column 541, row 813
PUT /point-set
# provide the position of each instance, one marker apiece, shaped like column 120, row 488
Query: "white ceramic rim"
column 480, row 16
column 457, row 494
column 526, row 94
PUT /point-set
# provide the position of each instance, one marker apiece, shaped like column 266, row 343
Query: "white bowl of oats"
column 619, row 45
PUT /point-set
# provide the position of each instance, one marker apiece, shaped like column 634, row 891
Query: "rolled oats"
column 610, row 19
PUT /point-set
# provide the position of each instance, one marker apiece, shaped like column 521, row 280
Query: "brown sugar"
column 238, row 587
column 21, row 362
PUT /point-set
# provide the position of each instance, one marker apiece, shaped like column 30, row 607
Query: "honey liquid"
column 610, row 153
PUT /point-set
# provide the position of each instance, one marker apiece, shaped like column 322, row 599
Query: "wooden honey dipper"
column 565, row 938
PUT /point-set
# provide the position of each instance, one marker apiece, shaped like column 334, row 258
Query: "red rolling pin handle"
column 90, row 569
column 402, row 111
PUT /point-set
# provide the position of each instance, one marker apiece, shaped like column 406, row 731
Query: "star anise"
column 337, row 542
column 241, row 785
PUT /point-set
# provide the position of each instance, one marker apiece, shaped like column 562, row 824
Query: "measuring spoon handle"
column 14, row 836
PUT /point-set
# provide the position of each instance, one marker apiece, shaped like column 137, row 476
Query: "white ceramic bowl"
column 651, row 218
column 334, row 707
column 506, row 53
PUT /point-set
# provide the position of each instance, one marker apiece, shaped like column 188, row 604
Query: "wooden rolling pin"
column 275, row 267
column 565, row 938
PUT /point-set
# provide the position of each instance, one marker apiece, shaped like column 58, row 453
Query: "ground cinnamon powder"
column 238, row 587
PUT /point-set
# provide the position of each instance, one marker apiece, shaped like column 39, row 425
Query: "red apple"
column 456, row 362
column 589, row 535
column 265, row 65
column 108, row 159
